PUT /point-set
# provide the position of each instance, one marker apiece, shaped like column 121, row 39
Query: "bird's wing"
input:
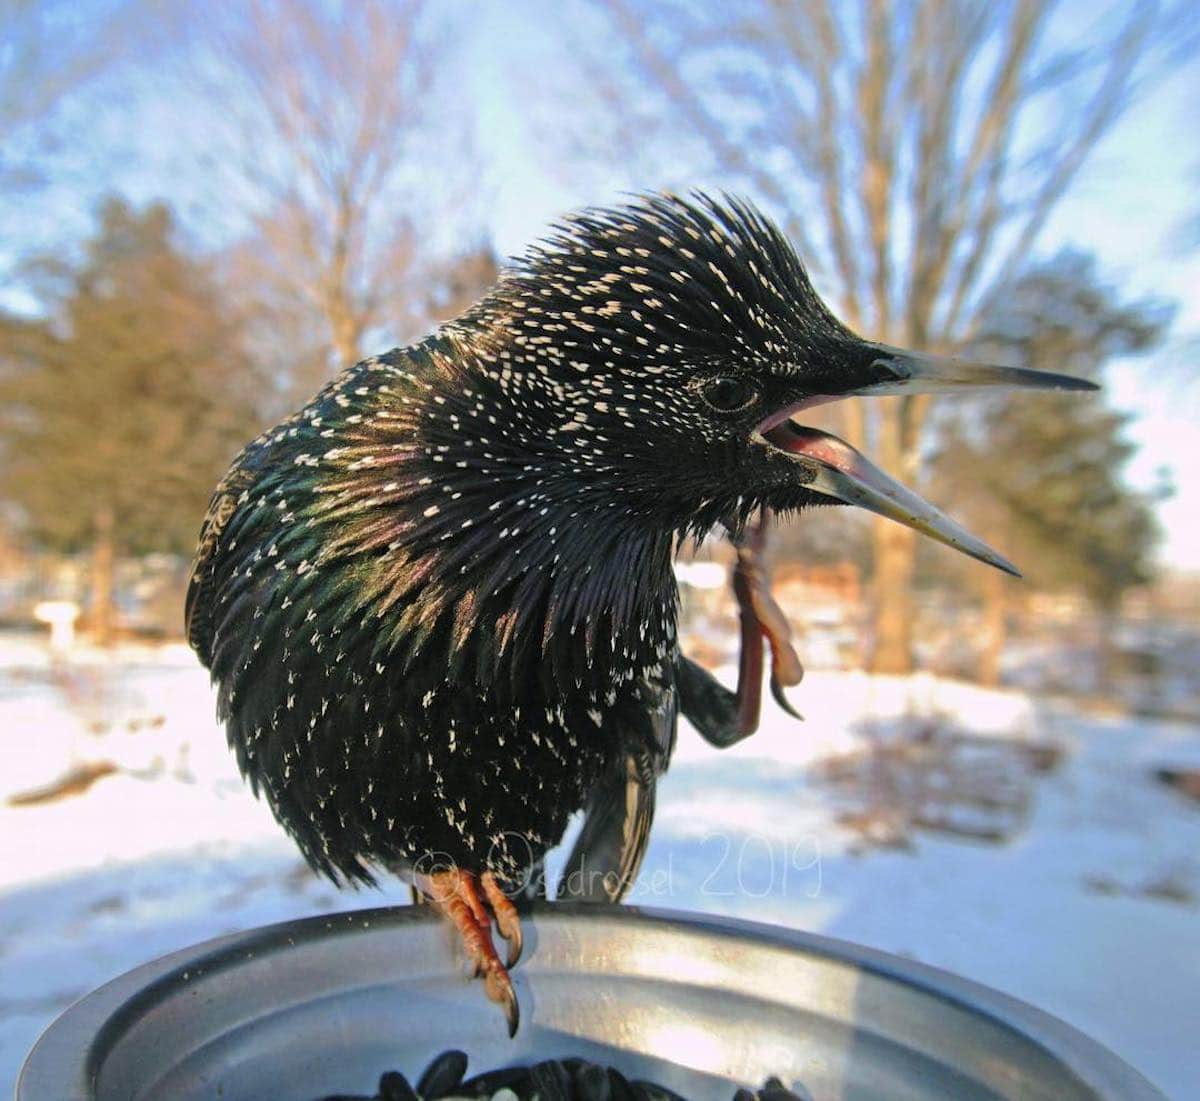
column 707, row 704
column 616, row 829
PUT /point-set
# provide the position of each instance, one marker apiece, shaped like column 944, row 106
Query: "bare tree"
column 914, row 149
column 459, row 282
column 319, row 107
column 48, row 51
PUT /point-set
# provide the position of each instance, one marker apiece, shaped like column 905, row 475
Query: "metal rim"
column 66, row 1060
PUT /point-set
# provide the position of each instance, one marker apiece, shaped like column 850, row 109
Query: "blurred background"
column 207, row 210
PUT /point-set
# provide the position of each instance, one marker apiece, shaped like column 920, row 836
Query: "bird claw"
column 757, row 604
column 513, row 956
column 499, row 989
column 457, row 894
column 781, row 699
column 508, row 921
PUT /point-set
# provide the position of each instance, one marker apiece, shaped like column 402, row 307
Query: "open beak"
column 837, row 470
column 900, row 371
column 850, row 476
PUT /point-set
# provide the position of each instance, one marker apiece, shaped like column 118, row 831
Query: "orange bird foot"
column 472, row 902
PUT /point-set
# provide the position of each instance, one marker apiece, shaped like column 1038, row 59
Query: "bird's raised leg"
column 724, row 718
column 456, row 894
column 761, row 617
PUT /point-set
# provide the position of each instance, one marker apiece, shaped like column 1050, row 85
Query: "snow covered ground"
column 1087, row 906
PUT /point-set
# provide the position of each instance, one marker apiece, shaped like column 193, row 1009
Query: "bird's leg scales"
column 508, row 921
column 456, row 894
column 761, row 617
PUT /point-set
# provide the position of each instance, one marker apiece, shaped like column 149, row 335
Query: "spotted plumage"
column 433, row 597
column 438, row 600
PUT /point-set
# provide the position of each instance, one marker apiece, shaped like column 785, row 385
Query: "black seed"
column 774, row 1090
column 393, row 1086
column 484, row 1085
column 619, row 1086
column 570, row 1079
column 591, row 1083
column 654, row 1092
column 551, row 1081
column 443, row 1074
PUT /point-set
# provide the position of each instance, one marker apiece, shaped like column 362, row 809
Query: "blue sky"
column 1136, row 203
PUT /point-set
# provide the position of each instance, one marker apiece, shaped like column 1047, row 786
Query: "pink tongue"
column 793, row 437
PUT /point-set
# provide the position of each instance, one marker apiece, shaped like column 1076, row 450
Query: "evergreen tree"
column 1043, row 479
column 125, row 404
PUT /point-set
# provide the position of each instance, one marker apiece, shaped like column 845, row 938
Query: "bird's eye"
column 727, row 394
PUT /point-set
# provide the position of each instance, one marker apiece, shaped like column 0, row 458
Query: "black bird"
column 438, row 600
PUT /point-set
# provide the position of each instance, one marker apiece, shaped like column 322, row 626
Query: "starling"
column 438, row 601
